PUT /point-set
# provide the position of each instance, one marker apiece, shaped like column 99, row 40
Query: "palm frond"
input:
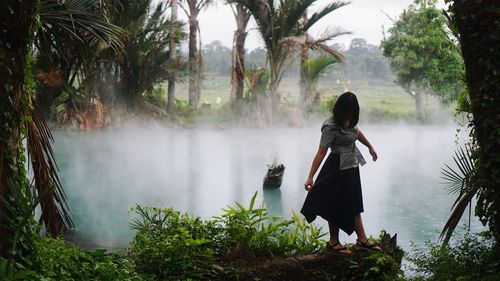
column 307, row 42
column 55, row 212
column 322, row 13
column 456, row 179
column 314, row 67
column 263, row 13
column 459, row 183
column 330, row 34
column 293, row 11
column 323, row 48
column 79, row 19
column 459, row 207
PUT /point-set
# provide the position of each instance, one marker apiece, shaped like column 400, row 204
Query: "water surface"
column 201, row 170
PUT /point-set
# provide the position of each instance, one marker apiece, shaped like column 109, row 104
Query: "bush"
column 169, row 245
column 471, row 258
column 172, row 246
column 54, row 260
column 253, row 230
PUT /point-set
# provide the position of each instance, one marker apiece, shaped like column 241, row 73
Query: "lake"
column 200, row 171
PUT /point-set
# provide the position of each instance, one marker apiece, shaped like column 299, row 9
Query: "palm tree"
column 110, row 79
column 242, row 16
column 282, row 29
column 62, row 43
column 195, row 60
column 19, row 114
column 305, row 99
column 172, row 45
column 311, row 71
column 147, row 56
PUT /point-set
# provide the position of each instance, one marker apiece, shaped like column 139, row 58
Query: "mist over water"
column 201, row 171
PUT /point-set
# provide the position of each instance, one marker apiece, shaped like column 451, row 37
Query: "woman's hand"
column 373, row 153
column 309, row 184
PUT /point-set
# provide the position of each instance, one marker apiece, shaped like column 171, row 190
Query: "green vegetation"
column 423, row 56
column 475, row 22
column 379, row 101
column 171, row 246
column 87, row 58
column 240, row 244
column 470, row 258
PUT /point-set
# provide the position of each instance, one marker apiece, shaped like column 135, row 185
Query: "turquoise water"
column 201, row 171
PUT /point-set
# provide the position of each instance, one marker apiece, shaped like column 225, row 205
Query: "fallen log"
column 326, row 264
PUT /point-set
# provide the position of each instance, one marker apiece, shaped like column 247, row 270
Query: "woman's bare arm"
column 364, row 140
column 320, row 154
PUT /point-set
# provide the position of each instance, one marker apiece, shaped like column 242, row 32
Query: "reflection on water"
column 273, row 202
column 201, row 171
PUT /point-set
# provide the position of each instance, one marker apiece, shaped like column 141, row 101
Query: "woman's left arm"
column 364, row 140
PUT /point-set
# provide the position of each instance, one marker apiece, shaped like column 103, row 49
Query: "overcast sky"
column 364, row 18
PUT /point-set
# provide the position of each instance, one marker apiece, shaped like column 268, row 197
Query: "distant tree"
column 256, row 58
column 217, row 58
column 423, row 56
column 366, row 62
column 281, row 27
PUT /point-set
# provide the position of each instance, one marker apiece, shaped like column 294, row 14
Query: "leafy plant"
column 171, row 246
column 471, row 258
column 54, row 260
column 461, row 184
column 252, row 229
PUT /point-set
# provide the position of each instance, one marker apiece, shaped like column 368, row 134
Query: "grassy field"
column 378, row 101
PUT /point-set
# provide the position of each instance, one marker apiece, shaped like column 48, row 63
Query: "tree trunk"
column 477, row 23
column 304, row 83
column 274, row 96
column 242, row 17
column 324, row 265
column 16, row 19
column 194, row 60
column 172, row 45
column 305, row 88
column 419, row 106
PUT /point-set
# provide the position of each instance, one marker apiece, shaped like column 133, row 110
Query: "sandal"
column 341, row 250
column 368, row 245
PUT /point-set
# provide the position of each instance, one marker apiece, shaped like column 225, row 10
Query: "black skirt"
column 336, row 195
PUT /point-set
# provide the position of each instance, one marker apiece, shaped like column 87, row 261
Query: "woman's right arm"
column 320, row 154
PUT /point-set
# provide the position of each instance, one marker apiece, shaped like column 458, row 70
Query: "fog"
column 200, row 171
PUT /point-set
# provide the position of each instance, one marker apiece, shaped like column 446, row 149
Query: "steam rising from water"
column 201, row 171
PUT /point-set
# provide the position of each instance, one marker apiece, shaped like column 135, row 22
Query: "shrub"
column 252, row 229
column 169, row 245
column 172, row 246
column 54, row 260
column 471, row 258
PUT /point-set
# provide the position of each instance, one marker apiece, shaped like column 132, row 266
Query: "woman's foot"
column 337, row 247
column 367, row 245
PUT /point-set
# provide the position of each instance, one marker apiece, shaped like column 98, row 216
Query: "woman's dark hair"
column 346, row 108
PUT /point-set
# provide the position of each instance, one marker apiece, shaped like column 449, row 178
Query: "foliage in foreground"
column 52, row 259
column 170, row 245
column 471, row 258
column 240, row 244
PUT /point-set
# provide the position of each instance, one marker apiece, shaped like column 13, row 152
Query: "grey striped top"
column 343, row 142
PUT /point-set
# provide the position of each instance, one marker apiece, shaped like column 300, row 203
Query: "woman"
column 336, row 193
